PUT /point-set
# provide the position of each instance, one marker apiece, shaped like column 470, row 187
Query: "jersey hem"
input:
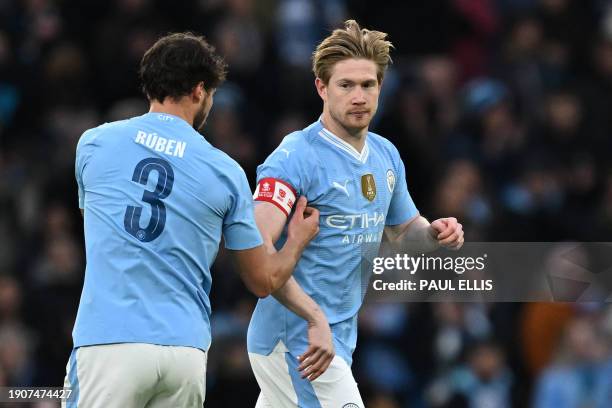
column 166, row 343
column 242, row 248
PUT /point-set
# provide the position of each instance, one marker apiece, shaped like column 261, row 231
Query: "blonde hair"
column 351, row 42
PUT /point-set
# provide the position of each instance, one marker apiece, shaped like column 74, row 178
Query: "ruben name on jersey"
column 156, row 198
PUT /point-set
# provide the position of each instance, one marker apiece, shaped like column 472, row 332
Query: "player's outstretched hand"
column 304, row 224
column 448, row 232
column 320, row 351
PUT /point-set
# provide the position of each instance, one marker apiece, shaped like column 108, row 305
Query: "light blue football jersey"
column 156, row 197
column 357, row 194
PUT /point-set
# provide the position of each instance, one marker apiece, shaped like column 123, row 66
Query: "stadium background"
column 500, row 109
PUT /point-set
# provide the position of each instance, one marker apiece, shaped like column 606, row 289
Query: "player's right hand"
column 320, row 351
column 304, row 224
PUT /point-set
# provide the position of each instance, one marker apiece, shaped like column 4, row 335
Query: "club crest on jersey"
column 368, row 186
column 390, row 180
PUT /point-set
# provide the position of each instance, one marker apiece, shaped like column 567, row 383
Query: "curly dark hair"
column 177, row 63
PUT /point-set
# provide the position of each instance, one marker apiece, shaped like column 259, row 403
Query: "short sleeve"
column 402, row 207
column 81, row 189
column 239, row 227
column 281, row 179
column 84, row 151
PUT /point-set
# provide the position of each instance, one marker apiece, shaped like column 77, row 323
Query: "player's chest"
column 353, row 188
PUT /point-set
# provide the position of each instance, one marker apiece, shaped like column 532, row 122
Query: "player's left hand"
column 320, row 351
column 448, row 232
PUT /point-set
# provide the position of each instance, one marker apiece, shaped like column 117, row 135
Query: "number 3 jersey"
column 156, row 197
column 357, row 194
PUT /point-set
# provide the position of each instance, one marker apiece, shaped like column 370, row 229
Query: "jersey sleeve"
column 84, row 152
column 239, row 227
column 282, row 178
column 402, row 208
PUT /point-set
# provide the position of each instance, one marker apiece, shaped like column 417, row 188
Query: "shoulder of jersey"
column 296, row 144
column 90, row 135
column 223, row 159
column 382, row 143
column 111, row 125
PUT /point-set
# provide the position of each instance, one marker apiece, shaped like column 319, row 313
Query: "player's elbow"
column 261, row 287
column 261, row 291
column 267, row 277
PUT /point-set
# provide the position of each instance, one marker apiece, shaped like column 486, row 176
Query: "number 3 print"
column 154, row 198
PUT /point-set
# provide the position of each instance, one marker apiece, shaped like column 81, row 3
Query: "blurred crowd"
column 501, row 110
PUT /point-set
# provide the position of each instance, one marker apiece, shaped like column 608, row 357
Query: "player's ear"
column 199, row 92
column 321, row 88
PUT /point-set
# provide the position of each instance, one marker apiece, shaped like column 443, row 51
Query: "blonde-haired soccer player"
column 357, row 180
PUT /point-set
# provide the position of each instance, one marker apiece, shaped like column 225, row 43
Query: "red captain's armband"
column 277, row 192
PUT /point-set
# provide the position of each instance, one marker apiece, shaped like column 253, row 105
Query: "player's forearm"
column 293, row 297
column 418, row 237
column 264, row 270
column 284, row 262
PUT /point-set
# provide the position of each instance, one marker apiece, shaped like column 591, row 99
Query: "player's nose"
column 358, row 98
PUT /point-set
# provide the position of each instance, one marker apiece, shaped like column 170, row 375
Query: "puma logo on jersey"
column 287, row 152
column 341, row 187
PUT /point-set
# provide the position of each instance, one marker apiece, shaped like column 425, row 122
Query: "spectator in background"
column 10, row 300
column 421, row 112
column 461, row 192
column 581, row 374
column 542, row 327
column 458, row 326
column 520, row 64
column 16, row 340
column 484, row 382
column 240, row 39
column 381, row 361
column 16, row 359
column 229, row 131
column 300, row 25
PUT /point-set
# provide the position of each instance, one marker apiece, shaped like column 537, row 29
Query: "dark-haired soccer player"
column 357, row 180
column 156, row 198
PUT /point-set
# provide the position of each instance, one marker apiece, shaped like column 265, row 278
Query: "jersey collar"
column 173, row 120
column 344, row 146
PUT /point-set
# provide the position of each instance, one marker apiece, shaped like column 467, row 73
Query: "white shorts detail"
column 282, row 386
column 136, row 375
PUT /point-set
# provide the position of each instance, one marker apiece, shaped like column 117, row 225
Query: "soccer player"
column 357, row 181
column 157, row 197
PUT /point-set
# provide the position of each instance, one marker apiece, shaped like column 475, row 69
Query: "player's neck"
column 357, row 139
column 172, row 108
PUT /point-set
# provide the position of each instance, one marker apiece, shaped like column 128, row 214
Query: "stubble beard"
column 354, row 131
column 200, row 118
